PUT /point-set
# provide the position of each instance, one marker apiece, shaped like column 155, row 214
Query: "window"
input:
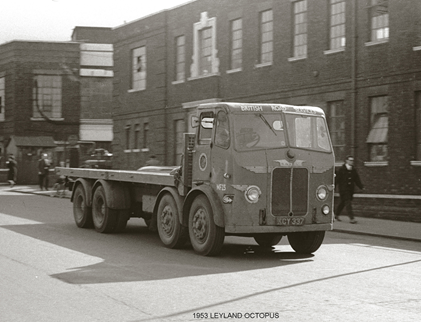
column 179, row 129
column 222, row 133
column 205, row 62
column 128, row 129
column 205, row 128
column 379, row 19
column 145, row 135
column 136, row 136
column 337, row 24
column 418, row 124
column 180, row 43
column 300, row 29
column 205, row 51
column 139, row 68
column 266, row 37
column 336, row 123
column 2, row 98
column 46, row 96
column 236, row 44
column 379, row 124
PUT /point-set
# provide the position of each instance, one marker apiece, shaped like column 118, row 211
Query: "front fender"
column 218, row 211
column 116, row 193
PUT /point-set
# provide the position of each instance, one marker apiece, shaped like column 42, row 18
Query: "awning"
column 35, row 141
column 378, row 133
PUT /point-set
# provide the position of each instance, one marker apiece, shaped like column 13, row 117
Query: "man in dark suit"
column 346, row 179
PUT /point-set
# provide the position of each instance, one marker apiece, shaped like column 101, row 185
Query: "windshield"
column 307, row 132
column 267, row 131
column 259, row 131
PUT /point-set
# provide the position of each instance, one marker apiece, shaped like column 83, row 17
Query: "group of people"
column 44, row 165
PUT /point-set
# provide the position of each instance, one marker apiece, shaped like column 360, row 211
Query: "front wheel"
column 206, row 237
column 306, row 242
column 171, row 232
column 81, row 212
column 105, row 219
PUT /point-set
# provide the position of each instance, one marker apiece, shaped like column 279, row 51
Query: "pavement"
column 365, row 226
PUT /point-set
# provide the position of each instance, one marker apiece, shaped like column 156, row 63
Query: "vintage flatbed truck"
column 257, row 170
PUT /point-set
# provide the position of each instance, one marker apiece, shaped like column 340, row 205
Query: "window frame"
column 266, row 33
column 298, row 54
column 337, row 24
column 2, row 98
column 334, row 119
column 138, row 73
column 204, row 23
column 180, row 59
column 376, row 119
column 376, row 19
column 236, row 44
column 49, row 91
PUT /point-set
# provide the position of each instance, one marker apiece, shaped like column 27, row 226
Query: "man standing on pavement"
column 346, row 179
column 43, row 171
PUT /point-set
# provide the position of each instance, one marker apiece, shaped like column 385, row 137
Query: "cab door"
column 202, row 169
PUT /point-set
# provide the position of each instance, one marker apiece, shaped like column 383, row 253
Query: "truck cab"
column 270, row 166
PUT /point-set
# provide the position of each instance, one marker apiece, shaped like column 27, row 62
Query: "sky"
column 54, row 20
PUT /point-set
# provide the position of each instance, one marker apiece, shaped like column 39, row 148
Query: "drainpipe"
column 354, row 72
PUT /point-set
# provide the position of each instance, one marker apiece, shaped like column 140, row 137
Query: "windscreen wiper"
column 267, row 123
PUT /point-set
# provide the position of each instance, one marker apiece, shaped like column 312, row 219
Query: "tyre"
column 81, row 212
column 267, row 241
column 206, row 237
column 104, row 218
column 306, row 242
column 171, row 232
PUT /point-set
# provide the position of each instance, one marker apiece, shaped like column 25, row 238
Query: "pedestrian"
column 43, row 171
column 13, row 170
column 153, row 161
column 346, row 179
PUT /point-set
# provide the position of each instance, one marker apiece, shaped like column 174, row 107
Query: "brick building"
column 55, row 97
column 359, row 60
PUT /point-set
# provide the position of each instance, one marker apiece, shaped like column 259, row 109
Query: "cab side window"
column 205, row 127
column 222, row 133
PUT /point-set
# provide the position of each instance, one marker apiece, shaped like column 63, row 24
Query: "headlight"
column 252, row 194
column 325, row 210
column 321, row 193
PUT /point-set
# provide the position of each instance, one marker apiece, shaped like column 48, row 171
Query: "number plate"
column 289, row 221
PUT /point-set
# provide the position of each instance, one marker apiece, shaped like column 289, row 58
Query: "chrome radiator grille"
column 289, row 191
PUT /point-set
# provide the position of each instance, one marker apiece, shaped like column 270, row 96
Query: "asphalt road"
column 54, row 271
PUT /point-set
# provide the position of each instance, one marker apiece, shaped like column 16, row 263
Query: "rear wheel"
column 171, row 232
column 206, row 237
column 104, row 218
column 306, row 242
column 267, row 240
column 81, row 212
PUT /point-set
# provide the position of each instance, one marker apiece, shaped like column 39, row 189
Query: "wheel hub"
column 200, row 224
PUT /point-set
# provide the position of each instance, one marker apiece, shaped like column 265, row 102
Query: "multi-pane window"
column 179, row 129
column 379, row 18
column 145, row 135
column 337, row 24
column 336, row 122
column 46, row 96
column 418, row 124
column 2, row 98
column 205, row 62
column 300, row 28
column 236, row 43
column 180, row 58
column 128, row 128
column 205, row 51
column 139, row 68
column 379, row 126
column 136, row 136
column 266, row 36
